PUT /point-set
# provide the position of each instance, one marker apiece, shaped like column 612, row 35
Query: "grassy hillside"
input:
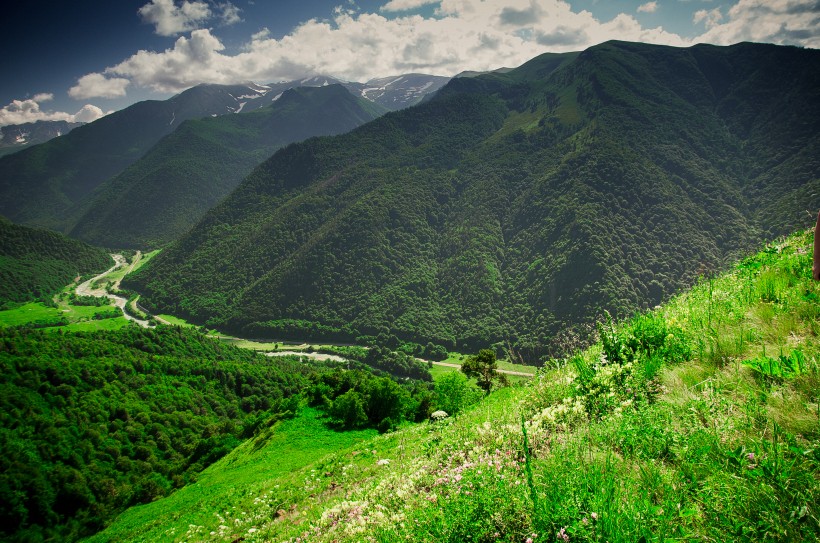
column 696, row 421
column 35, row 264
column 513, row 207
column 163, row 194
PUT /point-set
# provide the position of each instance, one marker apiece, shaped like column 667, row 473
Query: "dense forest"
column 92, row 423
column 35, row 264
column 512, row 208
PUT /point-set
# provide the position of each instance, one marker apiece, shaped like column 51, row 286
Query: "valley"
column 569, row 300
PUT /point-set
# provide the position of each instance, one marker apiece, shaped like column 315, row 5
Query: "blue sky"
column 79, row 60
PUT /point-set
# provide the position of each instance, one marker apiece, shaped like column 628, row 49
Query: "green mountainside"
column 697, row 421
column 35, row 264
column 513, row 207
column 159, row 197
column 42, row 185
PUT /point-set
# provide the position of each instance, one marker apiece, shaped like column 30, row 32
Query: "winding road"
column 86, row 289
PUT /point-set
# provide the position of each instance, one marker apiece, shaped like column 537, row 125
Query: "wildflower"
column 528, row 540
column 594, row 515
column 383, row 462
column 562, row 535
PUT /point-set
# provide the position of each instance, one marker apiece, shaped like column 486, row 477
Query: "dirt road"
column 86, row 288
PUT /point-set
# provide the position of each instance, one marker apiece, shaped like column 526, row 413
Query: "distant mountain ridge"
column 162, row 195
column 15, row 137
column 50, row 184
column 512, row 207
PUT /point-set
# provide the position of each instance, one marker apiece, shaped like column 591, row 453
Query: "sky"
column 78, row 61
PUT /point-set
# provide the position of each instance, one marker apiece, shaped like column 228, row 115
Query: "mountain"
column 512, row 208
column 50, row 185
column 41, row 185
column 15, row 137
column 159, row 197
column 399, row 92
column 37, row 263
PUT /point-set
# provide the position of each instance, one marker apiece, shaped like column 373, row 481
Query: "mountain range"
column 160, row 196
column 15, row 137
column 53, row 184
column 512, row 207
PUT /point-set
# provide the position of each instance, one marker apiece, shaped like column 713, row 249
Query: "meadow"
column 697, row 421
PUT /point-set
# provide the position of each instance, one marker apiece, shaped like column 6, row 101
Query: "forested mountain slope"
column 41, row 185
column 35, row 263
column 159, row 197
column 515, row 205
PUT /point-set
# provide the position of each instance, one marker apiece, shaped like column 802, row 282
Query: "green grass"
column 669, row 429
column 30, row 313
column 145, row 257
column 176, row 321
column 273, row 464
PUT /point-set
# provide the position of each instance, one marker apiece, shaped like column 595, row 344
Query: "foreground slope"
column 35, row 264
column 515, row 205
column 697, row 421
column 163, row 194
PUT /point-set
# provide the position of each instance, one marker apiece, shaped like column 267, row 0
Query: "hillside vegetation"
column 92, row 423
column 160, row 196
column 35, row 264
column 513, row 207
column 699, row 420
column 43, row 185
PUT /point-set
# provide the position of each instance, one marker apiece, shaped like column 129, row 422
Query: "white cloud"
column 98, row 86
column 462, row 35
column 356, row 46
column 28, row 111
column 406, row 5
column 787, row 22
column 170, row 20
column 649, row 7
column 88, row 113
column 710, row 18
column 230, row 14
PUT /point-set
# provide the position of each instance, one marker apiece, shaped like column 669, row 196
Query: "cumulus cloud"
column 356, row 46
column 170, row 19
column 230, row 14
column 406, row 5
column 98, row 86
column 710, row 17
column 88, row 113
column 28, row 111
column 787, row 22
column 649, row 7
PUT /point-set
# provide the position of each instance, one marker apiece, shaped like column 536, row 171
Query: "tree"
column 454, row 392
column 347, row 411
column 484, row 368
